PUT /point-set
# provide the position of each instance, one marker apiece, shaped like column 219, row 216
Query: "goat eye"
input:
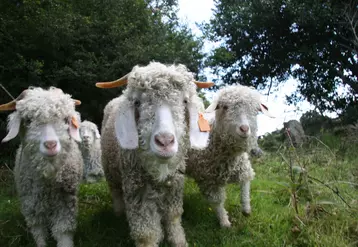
column 225, row 107
column 136, row 103
column 185, row 101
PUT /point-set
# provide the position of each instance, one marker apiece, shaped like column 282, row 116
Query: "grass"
column 322, row 219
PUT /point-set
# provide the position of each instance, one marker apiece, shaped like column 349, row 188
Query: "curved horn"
column 201, row 84
column 112, row 84
column 12, row 104
column 77, row 102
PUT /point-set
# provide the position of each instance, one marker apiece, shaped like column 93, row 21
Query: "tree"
column 351, row 17
column 72, row 44
column 267, row 41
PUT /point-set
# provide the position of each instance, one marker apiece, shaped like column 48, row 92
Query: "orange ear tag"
column 203, row 123
column 74, row 122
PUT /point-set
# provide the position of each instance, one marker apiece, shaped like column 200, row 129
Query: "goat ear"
column 212, row 106
column 96, row 134
column 74, row 129
column 13, row 126
column 198, row 139
column 210, row 116
column 264, row 109
column 126, row 127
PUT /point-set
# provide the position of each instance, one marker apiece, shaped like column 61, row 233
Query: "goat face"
column 44, row 119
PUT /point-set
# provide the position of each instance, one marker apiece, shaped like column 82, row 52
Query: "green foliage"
column 267, row 41
column 313, row 122
column 321, row 219
column 202, row 96
column 350, row 115
column 272, row 141
column 74, row 44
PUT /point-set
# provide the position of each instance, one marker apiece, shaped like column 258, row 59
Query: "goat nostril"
column 244, row 128
column 158, row 140
column 50, row 144
column 164, row 140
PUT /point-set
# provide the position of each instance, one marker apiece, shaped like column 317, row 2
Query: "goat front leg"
column 173, row 212
column 39, row 233
column 245, row 198
column 242, row 175
column 216, row 196
column 33, row 211
column 142, row 213
column 118, row 204
column 63, row 219
column 144, row 223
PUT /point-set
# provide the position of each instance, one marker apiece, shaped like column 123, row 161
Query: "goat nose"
column 244, row 128
column 164, row 139
column 50, row 144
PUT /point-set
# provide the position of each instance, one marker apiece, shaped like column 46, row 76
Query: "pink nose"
column 50, row 144
column 244, row 128
column 164, row 139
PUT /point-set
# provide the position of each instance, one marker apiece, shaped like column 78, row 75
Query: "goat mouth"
column 51, row 153
column 86, row 144
column 244, row 136
column 164, row 155
column 164, row 152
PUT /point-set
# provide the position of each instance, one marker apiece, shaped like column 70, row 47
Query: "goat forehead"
column 45, row 105
column 159, row 76
column 46, row 113
column 238, row 90
column 88, row 126
column 156, row 97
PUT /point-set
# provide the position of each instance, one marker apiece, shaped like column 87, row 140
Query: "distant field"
column 328, row 221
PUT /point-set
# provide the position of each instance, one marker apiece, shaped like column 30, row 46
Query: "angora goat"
column 225, row 160
column 48, row 165
column 91, row 152
column 145, row 136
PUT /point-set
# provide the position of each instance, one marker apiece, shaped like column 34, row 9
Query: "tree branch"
column 7, row 91
column 351, row 15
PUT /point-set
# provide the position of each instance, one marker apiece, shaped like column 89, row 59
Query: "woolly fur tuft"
column 45, row 105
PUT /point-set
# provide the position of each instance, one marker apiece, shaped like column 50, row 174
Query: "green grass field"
column 320, row 218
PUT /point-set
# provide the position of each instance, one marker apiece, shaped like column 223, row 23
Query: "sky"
column 192, row 11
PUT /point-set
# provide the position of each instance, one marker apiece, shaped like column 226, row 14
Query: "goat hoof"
column 246, row 214
column 182, row 244
column 226, row 224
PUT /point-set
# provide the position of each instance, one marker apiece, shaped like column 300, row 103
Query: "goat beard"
column 230, row 142
column 49, row 171
column 48, row 167
column 158, row 169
